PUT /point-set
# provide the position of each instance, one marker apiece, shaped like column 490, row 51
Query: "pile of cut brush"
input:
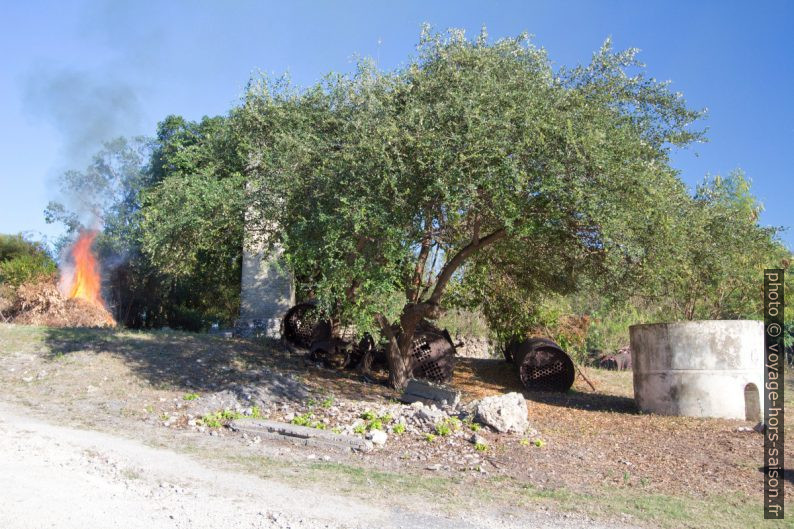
column 41, row 303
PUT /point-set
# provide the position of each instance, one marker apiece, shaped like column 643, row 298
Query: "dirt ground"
column 68, row 478
column 599, row 458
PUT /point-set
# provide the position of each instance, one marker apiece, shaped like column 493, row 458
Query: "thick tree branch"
column 414, row 289
column 459, row 258
column 430, row 279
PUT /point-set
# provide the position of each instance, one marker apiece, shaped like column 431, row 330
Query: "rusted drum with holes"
column 543, row 365
column 432, row 355
column 304, row 324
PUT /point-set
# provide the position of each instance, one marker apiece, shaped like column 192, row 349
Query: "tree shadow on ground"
column 480, row 377
column 196, row 362
column 177, row 360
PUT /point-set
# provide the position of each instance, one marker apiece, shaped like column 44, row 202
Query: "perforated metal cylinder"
column 543, row 365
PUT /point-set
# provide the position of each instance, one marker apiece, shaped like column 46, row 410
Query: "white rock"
column 431, row 415
column 504, row 413
column 378, row 437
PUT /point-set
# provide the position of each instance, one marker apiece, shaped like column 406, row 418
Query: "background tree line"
column 475, row 177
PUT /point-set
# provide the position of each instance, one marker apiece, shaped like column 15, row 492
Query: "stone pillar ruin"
column 267, row 287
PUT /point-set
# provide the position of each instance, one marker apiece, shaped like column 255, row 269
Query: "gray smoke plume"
column 85, row 108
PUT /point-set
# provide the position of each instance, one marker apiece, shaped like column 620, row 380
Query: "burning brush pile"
column 73, row 301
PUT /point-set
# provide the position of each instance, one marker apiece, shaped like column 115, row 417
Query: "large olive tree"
column 478, row 156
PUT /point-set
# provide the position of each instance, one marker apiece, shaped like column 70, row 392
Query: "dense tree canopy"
column 714, row 271
column 192, row 218
column 475, row 156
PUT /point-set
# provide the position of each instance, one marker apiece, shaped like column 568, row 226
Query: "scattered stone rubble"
column 270, row 405
column 262, row 389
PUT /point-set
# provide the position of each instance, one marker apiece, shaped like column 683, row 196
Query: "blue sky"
column 76, row 73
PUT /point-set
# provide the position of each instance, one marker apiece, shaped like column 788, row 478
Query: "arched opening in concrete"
column 752, row 403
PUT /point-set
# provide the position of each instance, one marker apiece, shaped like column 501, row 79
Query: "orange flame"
column 84, row 282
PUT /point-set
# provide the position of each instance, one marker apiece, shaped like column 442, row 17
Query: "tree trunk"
column 399, row 347
column 398, row 365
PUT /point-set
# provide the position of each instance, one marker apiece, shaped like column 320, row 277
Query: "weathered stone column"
column 267, row 287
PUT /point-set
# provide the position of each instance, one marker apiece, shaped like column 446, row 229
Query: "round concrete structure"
column 711, row 368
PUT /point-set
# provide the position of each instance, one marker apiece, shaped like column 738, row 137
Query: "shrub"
column 26, row 268
column 7, row 298
column 12, row 246
column 443, row 429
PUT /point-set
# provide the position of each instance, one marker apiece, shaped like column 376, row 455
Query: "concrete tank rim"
column 689, row 323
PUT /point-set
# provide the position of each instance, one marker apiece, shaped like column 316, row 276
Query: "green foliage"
column 219, row 418
column 714, row 270
column 171, row 225
column 398, row 428
column 190, row 396
column 22, row 260
column 481, row 447
column 372, row 421
column 25, row 268
column 429, row 437
column 447, row 426
column 456, row 166
column 303, row 419
column 609, row 324
column 192, row 218
column 376, row 424
column 307, row 419
column 12, row 246
column 443, row 429
column 473, row 426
